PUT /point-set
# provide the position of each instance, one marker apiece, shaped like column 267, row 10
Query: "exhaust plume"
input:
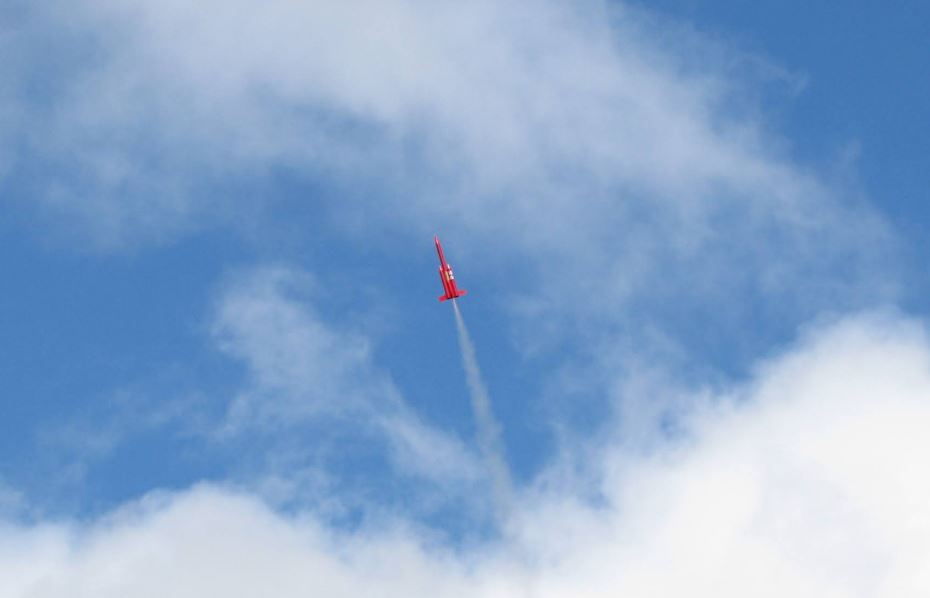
column 488, row 429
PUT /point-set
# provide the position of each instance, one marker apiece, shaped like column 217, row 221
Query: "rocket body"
column 450, row 290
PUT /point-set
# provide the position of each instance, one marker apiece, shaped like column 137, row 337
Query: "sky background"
column 693, row 239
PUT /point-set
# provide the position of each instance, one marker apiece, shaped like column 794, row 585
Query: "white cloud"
column 211, row 542
column 804, row 482
column 809, row 480
column 295, row 358
column 303, row 369
column 616, row 151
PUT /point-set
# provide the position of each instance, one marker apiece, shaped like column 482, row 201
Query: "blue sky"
column 693, row 239
column 860, row 67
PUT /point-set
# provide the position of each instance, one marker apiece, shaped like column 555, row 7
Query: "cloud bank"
column 807, row 480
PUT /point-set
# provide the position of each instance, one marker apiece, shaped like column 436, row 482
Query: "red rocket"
column 445, row 273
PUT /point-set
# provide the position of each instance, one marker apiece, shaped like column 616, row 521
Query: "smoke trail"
column 489, row 431
column 489, row 442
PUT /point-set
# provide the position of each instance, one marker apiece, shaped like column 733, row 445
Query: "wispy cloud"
column 623, row 153
column 309, row 378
